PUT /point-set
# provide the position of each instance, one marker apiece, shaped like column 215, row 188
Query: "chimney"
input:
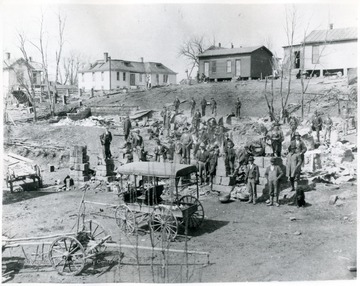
column 219, row 45
column 142, row 59
column 30, row 59
column 232, row 45
column 8, row 56
column 106, row 57
column 331, row 26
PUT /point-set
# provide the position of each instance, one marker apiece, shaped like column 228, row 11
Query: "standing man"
column 202, row 158
column 238, row 108
column 214, row 155
column 160, row 152
column 138, row 143
column 230, row 156
column 127, row 127
column 193, row 106
column 196, row 120
column 273, row 174
column 317, row 125
column 345, row 118
column 293, row 167
column 252, row 179
column 203, row 106
column 293, row 126
column 277, row 138
column 213, row 106
column 299, row 145
column 163, row 114
column 186, row 141
column 105, row 140
column 176, row 105
column 328, row 123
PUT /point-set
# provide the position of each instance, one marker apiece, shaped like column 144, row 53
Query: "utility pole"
column 109, row 73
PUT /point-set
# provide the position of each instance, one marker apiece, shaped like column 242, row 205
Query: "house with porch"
column 325, row 52
column 112, row 74
column 218, row 63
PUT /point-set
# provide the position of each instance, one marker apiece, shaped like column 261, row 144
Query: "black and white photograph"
column 179, row 141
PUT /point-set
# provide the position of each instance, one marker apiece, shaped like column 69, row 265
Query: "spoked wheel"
column 67, row 255
column 196, row 218
column 125, row 219
column 163, row 225
column 95, row 232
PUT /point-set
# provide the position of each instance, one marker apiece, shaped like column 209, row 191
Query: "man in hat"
column 202, row 159
column 160, row 152
column 293, row 166
column 127, row 127
column 137, row 143
column 273, row 175
column 214, row 155
column 252, row 179
column 299, row 145
column 105, row 140
column 238, row 108
column 196, row 120
column 293, row 126
column 230, row 156
column 203, row 106
column 317, row 125
column 213, row 106
column 192, row 106
column 186, row 141
column 328, row 123
column 277, row 137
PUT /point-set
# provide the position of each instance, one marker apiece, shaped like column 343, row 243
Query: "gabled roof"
column 32, row 65
column 130, row 66
column 233, row 51
column 333, row 35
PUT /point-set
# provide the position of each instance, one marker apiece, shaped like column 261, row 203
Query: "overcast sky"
column 155, row 31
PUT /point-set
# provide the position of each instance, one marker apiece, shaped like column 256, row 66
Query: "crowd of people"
column 203, row 142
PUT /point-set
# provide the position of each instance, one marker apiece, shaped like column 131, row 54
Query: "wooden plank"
column 20, row 157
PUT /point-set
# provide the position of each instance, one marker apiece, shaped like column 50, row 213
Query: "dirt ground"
column 246, row 242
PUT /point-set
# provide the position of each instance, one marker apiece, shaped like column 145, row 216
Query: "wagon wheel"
column 67, row 256
column 196, row 218
column 125, row 219
column 163, row 225
column 95, row 232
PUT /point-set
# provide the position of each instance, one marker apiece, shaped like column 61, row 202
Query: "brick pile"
column 105, row 170
column 79, row 163
column 221, row 182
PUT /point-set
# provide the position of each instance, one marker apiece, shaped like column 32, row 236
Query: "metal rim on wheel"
column 95, row 232
column 163, row 225
column 196, row 218
column 67, row 255
column 125, row 219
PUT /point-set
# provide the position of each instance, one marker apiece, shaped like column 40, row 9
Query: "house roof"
column 33, row 65
column 330, row 36
column 333, row 35
column 233, row 51
column 130, row 66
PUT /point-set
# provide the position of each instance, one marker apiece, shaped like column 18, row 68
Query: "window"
column 228, row 66
column 117, row 75
column 34, row 77
column 124, row 76
column 315, row 54
column 213, row 66
column 165, row 78
column 140, row 77
column 82, row 77
column 102, row 76
column 157, row 79
column 93, row 76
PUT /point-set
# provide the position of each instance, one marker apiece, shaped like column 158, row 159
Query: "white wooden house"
column 325, row 52
column 112, row 74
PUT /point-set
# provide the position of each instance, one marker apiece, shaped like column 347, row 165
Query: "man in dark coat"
column 203, row 106
column 238, row 108
column 196, row 120
column 317, row 125
column 299, row 145
column 192, row 106
column 213, row 106
column 105, row 140
column 252, row 178
column 277, row 137
column 127, row 127
column 186, row 141
column 176, row 104
column 202, row 158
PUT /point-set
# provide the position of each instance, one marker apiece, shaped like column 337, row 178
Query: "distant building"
column 124, row 74
column 226, row 63
column 325, row 52
column 15, row 74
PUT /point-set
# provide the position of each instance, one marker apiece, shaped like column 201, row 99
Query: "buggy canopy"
column 157, row 169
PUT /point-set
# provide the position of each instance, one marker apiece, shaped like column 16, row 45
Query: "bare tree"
column 71, row 66
column 61, row 27
column 190, row 49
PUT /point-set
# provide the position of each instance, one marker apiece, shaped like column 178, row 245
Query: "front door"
column 237, row 68
column 206, row 69
column 132, row 79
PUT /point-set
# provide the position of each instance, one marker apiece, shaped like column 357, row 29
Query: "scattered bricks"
column 333, row 199
column 259, row 161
